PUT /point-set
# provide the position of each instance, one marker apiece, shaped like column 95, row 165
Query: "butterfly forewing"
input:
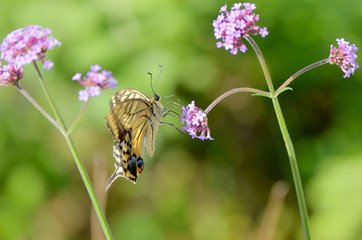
column 133, row 122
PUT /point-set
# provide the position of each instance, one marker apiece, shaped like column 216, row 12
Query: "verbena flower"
column 25, row 45
column 9, row 74
column 344, row 56
column 232, row 26
column 196, row 121
column 95, row 81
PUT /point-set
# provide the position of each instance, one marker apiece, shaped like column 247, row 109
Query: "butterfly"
column 133, row 121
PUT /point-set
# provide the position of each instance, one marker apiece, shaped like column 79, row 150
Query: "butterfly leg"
column 171, row 104
column 171, row 112
column 178, row 129
column 178, row 100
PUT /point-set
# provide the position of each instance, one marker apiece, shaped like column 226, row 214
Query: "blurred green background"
column 190, row 189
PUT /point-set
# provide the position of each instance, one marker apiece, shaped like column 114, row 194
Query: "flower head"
column 344, row 56
column 25, row 45
column 10, row 74
column 196, row 121
column 232, row 26
column 95, row 81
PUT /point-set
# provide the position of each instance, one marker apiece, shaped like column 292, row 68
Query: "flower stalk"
column 262, row 62
column 76, row 157
column 294, row 167
column 236, row 25
column 287, row 140
column 297, row 74
column 77, row 120
column 49, row 98
column 60, row 125
column 37, row 106
column 28, row 45
column 233, row 91
column 89, row 187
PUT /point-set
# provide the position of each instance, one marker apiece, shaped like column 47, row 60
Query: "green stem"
column 76, row 120
column 300, row 72
column 49, row 98
column 262, row 62
column 37, row 106
column 90, row 189
column 236, row 90
column 294, row 166
column 77, row 159
column 287, row 141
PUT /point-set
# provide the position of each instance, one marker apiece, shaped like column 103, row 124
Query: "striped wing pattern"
column 133, row 120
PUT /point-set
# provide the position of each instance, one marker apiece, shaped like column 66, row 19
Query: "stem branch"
column 37, row 106
column 300, row 72
column 76, row 120
column 236, row 90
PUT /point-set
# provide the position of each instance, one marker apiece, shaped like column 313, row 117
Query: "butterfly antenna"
column 151, row 83
column 159, row 74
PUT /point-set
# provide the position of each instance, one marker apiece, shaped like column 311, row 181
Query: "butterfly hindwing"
column 133, row 122
column 128, row 164
column 150, row 138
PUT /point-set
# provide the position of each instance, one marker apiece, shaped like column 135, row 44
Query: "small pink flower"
column 83, row 95
column 77, row 77
column 196, row 121
column 10, row 74
column 344, row 56
column 25, row 45
column 232, row 26
column 94, row 81
column 47, row 64
column 95, row 68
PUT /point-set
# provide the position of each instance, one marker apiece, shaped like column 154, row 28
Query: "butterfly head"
column 157, row 97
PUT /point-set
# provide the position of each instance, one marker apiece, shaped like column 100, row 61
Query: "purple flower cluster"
column 25, row 45
column 344, row 56
column 196, row 121
column 10, row 74
column 94, row 82
column 232, row 26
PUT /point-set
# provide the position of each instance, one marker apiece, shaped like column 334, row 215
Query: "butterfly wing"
column 126, row 107
column 132, row 120
column 127, row 164
column 151, row 130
